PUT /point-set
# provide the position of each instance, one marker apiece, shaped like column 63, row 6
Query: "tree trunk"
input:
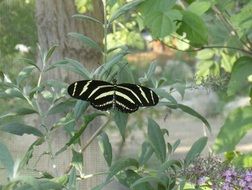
column 54, row 22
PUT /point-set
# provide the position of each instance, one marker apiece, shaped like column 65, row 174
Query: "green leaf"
column 72, row 65
column 166, row 95
column 86, row 17
column 25, row 73
column 86, row 40
column 77, row 160
column 161, row 24
column 195, row 150
column 243, row 161
column 6, row 159
column 28, row 155
column 60, row 107
column 71, row 185
column 156, row 139
column 77, row 134
column 236, row 125
column 121, row 122
column 19, row 111
column 13, row 93
column 146, row 153
column 167, row 165
column 159, row 16
column 30, row 62
column 80, row 108
column 20, row 129
column 31, row 183
column 155, row 179
column 192, row 112
column 241, row 70
column 1, row 76
column 129, row 177
column 121, row 165
column 195, row 29
column 62, row 180
column 50, row 53
column 105, row 147
column 124, row 9
column 199, row 7
column 117, row 58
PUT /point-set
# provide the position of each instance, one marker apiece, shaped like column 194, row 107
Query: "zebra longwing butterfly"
column 103, row 95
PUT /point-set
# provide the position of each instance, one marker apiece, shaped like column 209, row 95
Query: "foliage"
column 188, row 23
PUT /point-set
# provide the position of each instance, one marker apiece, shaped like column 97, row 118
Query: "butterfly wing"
column 98, row 93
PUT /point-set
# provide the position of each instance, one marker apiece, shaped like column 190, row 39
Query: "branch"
column 210, row 47
column 97, row 132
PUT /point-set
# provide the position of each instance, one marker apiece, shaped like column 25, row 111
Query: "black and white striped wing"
column 135, row 94
column 104, row 96
column 99, row 93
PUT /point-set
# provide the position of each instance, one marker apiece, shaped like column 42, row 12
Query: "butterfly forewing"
column 103, row 95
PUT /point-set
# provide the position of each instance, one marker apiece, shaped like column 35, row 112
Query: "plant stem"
column 97, row 132
column 105, row 32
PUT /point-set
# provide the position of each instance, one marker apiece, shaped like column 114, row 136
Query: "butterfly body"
column 103, row 95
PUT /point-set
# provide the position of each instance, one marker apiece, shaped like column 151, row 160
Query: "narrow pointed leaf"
column 146, row 153
column 86, row 40
column 77, row 160
column 121, row 165
column 50, row 53
column 86, row 17
column 105, row 147
column 20, row 129
column 25, row 73
column 121, row 122
column 124, row 9
column 192, row 112
column 196, row 150
column 19, row 111
column 128, row 177
column 6, row 159
column 72, row 65
column 156, row 139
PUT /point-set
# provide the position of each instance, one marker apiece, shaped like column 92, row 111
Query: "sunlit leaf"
column 124, row 9
column 195, row 29
column 239, row 76
column 199, row 7
column 236, row 125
